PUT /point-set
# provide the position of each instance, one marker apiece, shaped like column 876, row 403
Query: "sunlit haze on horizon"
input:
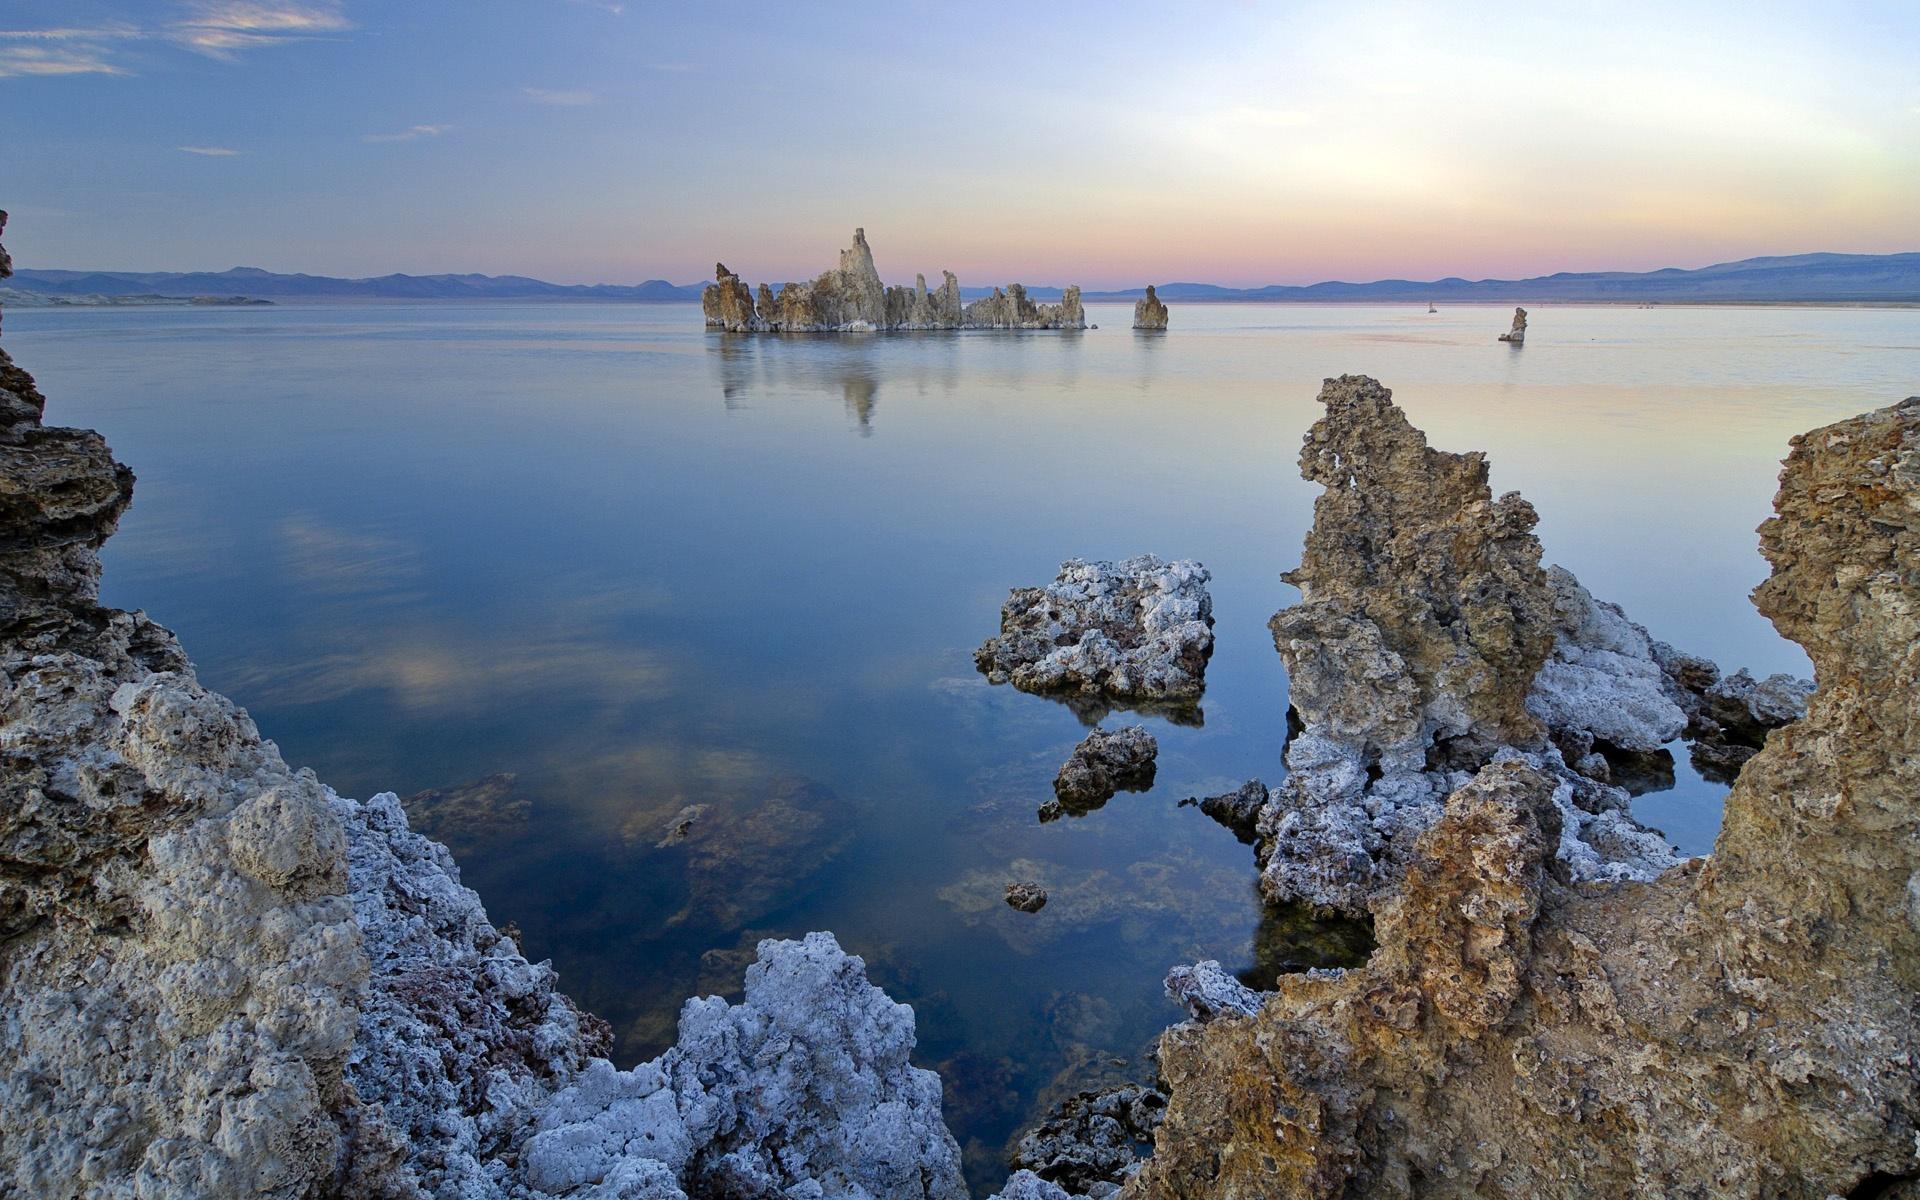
column 1103, row 144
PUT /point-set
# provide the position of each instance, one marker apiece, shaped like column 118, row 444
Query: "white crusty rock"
column 1207, row 990
column 851, row 298
column 805, row 1088
column 1149, row 312
column 1128, row 634
column 1602, row 677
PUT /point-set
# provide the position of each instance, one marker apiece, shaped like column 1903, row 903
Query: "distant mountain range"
column 1798, row 277
column 252, row 281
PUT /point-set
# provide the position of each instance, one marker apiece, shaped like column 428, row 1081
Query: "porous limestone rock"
column 219, row 978
column 1742, row 1026
column 1238, row 810
column 1424, row 621
column 1602, row 677
column 735, row 1108
column 1105, row 762
column 727, row 304
column 1149, row 312
column 1137, row 633
column 1026, row 897
column 1208, row 990
column 1088, row 1144
column 1518, row 333
column 851, row 298
column 1728, row 718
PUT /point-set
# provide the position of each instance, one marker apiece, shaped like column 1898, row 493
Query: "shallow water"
column 642, row 568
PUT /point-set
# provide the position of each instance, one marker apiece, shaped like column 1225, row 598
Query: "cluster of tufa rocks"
column 1740, row 1026
column 1149, row 312
column 851, row 299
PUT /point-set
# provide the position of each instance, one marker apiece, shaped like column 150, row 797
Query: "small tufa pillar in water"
column 1518, row 334
column 1149, row 312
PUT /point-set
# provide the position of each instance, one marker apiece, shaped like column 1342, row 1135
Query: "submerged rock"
column 1137, row 633
column 1742, row 1027
column 1026, row 897
column 467, row 816
column 1149, row 312
column 852, row 299
column 1518, row 333
column 1414, row 659
column 1107, row 761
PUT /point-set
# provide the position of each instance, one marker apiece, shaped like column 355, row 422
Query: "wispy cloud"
column 209, row 151
column 411, row 133
column 571, row 97
column 220, row 29
column 223, row 28
column 46, row 60
column 70, row 50
column 607, row 6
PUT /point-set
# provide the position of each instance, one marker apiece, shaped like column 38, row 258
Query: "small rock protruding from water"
column 1518, row 334
column 1107, row 762
column 1150, row 312
column 1026, row 897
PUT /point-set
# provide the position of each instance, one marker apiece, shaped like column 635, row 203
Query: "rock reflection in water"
column 766, row 365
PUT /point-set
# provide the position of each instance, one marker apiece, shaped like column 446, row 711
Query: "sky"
column 1106, row 144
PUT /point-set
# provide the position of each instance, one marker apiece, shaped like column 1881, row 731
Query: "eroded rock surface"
column 1090, row 1144
column 851, row 298
column 1414, row 656
column 1728, row 718
column 1149, row 312
column 1026, row 897
column 1106, row 762
column 1134, row 634
column 1518, row 333
column 1738, row 1027
column 219, row 978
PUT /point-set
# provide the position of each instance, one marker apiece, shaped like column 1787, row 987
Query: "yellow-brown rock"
column 1742, row 1028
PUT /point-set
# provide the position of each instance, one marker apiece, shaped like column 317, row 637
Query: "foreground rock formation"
column 1134, row 634
column 850, row 298
column 1518, row 333
column 219, row 978
column 1149, row 312
column 1739, row 1027
column 1415, row 657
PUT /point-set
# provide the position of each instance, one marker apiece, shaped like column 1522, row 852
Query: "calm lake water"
column 642, row 568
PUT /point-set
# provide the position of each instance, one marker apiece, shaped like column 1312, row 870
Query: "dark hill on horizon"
column 1859, row 278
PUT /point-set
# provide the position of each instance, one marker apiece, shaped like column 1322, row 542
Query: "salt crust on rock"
column 1136, row 632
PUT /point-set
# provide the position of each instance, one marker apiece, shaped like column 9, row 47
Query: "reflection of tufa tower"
column 1518, row 334
column 1149, row 312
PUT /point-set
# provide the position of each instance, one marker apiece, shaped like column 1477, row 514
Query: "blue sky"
column 1107, row 144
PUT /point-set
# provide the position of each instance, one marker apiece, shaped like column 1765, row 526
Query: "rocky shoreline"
column 218, row 977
